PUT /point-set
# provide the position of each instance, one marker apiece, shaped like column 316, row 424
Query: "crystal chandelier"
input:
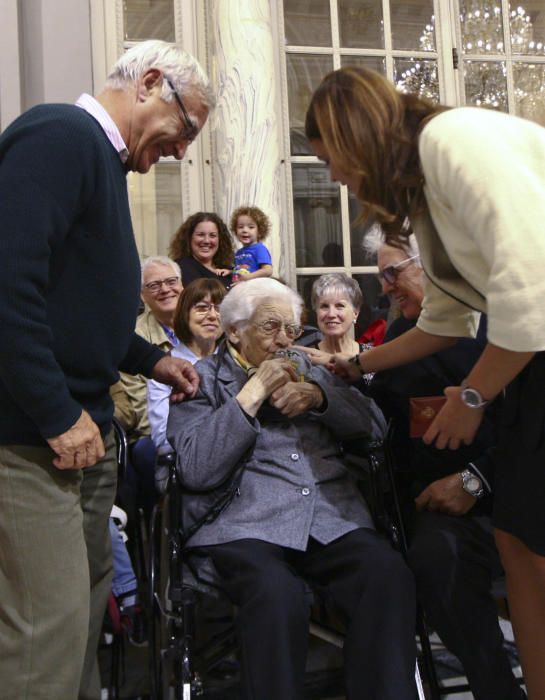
column 481, row 25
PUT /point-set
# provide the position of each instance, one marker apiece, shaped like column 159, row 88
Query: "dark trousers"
column 360, row 575
column 454, row 561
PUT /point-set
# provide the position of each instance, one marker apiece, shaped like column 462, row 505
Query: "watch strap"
column 355, row 360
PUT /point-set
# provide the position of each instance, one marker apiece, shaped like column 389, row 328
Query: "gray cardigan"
column 294, row 484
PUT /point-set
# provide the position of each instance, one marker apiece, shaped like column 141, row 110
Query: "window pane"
column 317, row 215
column 307, row 22
column 527, row 24
column 417, row 75
column 168, row 203
column 486, row 84
column 373, row 62
column 359, row 255
column 361, row 24
column 156, row 206
column 529, row 82
column 413, row 25
column 482, row 27
column 305, row 73
column 148, row 19
column 304, row 287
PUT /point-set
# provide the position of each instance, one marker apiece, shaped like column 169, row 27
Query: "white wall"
column 45, row 53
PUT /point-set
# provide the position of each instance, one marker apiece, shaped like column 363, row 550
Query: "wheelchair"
column 181, row 665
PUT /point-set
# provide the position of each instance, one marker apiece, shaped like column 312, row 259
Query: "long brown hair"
column 180, row 245
column 195, row 292
column 371, row 130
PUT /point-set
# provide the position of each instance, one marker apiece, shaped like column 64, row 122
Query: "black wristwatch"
column 355, row 360
column 472, row 484
column 471, row 397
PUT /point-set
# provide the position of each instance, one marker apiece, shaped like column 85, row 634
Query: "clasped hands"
column 276, row 380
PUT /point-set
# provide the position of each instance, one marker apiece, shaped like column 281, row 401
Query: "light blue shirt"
column 159, row 402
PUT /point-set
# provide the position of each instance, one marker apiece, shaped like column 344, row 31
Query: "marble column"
column 247, row 165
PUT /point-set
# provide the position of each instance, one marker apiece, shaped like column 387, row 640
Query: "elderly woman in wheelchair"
column 264, row 436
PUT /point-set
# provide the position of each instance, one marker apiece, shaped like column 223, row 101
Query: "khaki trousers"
column 55, row 573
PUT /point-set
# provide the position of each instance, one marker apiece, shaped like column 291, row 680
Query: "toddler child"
column 250, row 225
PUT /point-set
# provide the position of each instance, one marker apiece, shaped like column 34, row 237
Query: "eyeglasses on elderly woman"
column 273, row 326
column 390, row 273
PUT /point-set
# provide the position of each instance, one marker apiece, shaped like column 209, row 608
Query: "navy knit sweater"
column 69, row 275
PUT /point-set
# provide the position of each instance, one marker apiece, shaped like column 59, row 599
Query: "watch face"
column 471, row 397
column 473, row 484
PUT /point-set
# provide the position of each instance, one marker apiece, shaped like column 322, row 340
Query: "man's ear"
column 151, row 79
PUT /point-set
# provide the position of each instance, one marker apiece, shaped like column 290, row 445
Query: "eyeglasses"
column 203, row 308
column 390, row 273
column 189, row 131
column 272, row 327
column 155, row 286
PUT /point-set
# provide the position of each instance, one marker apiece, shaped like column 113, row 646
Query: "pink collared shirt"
column 96, row 110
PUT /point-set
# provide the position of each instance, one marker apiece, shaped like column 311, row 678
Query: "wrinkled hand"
column 272, row 374
column 455, row 423
column 269, row 376
column 80, row 446
column 447, row 496
column 294, row 398
column 179, row 374
column 344, row 369
column 317, row 357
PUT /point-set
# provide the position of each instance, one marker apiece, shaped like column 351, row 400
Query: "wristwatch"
column 355, row 360
column 472, row 484
column 471, row 397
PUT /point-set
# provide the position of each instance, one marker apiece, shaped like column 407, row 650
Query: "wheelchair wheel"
column 153, row 603
column 169, row 660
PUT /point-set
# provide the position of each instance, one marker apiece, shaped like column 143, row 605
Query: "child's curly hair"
column 180, row 245
column 260, row 218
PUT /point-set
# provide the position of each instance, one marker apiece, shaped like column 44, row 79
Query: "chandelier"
column 485, row 74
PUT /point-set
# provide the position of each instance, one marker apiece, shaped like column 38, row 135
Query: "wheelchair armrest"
column 165, row 471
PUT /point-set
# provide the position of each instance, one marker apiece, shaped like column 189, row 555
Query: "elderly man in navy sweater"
column 69, row 288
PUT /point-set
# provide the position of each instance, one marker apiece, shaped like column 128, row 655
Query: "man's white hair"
column 184, row 71
column 243, row 299
column 159, row 260
column 374, row 240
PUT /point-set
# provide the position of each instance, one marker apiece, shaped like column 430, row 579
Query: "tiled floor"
column 321, row 656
